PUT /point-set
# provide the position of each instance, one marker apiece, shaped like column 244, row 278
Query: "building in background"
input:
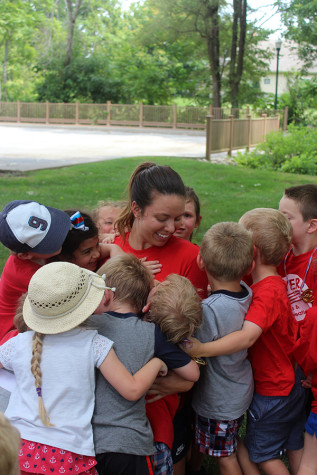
column 288, row 62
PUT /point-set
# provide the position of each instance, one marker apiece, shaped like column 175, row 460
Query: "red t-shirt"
column 305, row 350
column 14, row 282
column 294, row 267
column 9, row 335
column 178, row 256
column 271, row 354
column 160, row 415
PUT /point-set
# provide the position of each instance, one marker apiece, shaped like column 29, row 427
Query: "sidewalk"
column 30, row 147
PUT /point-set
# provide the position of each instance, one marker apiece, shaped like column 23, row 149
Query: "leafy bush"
column 301, row 99
column 292, row 152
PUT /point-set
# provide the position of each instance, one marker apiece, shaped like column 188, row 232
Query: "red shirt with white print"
column 293, row 270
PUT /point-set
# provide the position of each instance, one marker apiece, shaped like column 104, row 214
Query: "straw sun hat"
column 61, row 295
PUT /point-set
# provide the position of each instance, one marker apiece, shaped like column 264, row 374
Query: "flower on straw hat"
column 61, row 295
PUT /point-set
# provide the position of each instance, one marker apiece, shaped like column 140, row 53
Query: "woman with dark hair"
column 156, row 204
column 154, row 212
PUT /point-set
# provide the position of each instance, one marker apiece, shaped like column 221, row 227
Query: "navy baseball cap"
column 28, row 226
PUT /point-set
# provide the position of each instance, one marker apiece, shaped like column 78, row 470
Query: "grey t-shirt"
column 120, row 425
column 225, row 387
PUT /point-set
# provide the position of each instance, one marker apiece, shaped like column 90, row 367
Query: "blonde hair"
column 37, row 348
column 103, row 204
column 271, row 233
column 227, row 251
column 18, row 319
column 131, row 279
column 10, row 442
column 175, row 308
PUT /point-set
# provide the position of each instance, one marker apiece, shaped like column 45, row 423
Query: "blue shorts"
column 275, row 424
column 162, row 459
column 311, row 424
column 217, row 438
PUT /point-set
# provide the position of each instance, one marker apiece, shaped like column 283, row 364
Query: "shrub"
column 293, row 152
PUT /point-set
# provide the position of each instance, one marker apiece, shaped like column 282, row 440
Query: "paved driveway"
column 29, row 147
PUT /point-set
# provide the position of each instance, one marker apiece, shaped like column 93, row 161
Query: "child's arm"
column 231, row 343
column 189, row 372
column 304, row 351
column 109, row 250
column 175, row 358
column 170, row 384
column 131, row 387
column 107, row 238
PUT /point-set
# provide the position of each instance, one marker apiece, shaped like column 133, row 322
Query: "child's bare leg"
column 247, row 467
column 294, row 458
column 229, row 465
column 180, row 467
column 196, row 459
column 308, row 464
column 274, row 467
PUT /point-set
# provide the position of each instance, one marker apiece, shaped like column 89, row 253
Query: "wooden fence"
column 226, row 128
column 230, row 134
column 137, row 115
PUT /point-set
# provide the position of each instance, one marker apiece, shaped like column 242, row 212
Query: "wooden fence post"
column 278, row 122
column 141, row 115
column 249, row 132
column 77, row 113
column 174, row 116
column 108, row 113
column 208, row 136
column 285, row 118
column 264, row 126
column 18, row 112
column 230, row 135
column 47, row 112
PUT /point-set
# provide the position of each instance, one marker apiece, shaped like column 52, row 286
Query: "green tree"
column 18, row 20
column 86, row 31
column 300, row 19
column 239, row 28
column 218, row 27
column 301, row 99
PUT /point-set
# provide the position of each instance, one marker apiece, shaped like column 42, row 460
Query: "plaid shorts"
column 217, row 438
column 163, row 462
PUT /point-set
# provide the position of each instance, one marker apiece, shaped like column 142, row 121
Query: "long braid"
column 37, row 348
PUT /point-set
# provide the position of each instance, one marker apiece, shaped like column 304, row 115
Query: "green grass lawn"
column 225, row 191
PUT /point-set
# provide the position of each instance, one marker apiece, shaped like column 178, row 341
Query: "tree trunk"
column 72, row 16
column 213, row 56
column 211, row 35
column 239, row 26
column 5, row 70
